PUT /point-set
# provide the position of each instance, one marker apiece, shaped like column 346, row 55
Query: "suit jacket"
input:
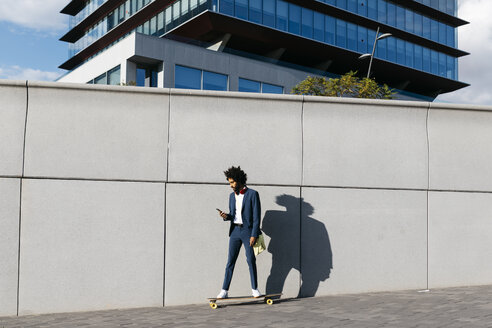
column 251, row 211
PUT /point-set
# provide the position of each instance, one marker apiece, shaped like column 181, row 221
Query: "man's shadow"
column 301, row 245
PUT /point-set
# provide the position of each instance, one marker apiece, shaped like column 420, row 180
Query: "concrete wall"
column 109, row 195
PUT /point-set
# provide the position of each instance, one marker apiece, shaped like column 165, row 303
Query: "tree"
column 347, row 85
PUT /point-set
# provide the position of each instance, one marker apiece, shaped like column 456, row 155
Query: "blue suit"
column 251, row 215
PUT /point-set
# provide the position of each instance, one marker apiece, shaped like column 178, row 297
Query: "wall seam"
column 20, row 198
column 428, row 188
column 251, row 184
column 165, row 199
column 300, row 196
column 164, row 248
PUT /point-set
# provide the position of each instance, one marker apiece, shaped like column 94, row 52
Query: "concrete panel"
column 365, row 143
column 9, row 244
column 376, row 240
column 89, row 245
column 13, row 99
column 209, row 133
column 95, row 132
column 460, row 246
column 460, row 151
column 197, row 243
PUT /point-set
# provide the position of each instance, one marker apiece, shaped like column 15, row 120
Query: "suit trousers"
column 240, row 235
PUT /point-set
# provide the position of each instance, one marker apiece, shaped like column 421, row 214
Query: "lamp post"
column 378, row 37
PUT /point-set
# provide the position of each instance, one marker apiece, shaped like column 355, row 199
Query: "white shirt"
column 238, row 219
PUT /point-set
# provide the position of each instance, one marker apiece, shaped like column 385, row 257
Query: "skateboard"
column 268, row 299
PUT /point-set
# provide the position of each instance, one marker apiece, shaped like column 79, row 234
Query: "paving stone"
column 452, row 307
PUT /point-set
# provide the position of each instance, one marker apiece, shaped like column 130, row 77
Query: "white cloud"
column 35, row 14
column 23, row 73
column 475, row 38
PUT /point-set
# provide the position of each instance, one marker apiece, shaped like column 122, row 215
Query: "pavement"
column 451, row 307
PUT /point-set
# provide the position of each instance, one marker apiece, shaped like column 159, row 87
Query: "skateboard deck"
column 268, row 299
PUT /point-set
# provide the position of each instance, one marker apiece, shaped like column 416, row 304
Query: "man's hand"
column 252, row 241
column 222, row 214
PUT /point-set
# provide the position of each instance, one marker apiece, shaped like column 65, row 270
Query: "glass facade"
column 120, row 14
column 292, row 18
column 89, row 7
column 388, row 12
column 447, row 6
column 289, row 17
column 164, row 21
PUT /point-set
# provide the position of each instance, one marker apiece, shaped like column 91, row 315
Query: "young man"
column 244, row 215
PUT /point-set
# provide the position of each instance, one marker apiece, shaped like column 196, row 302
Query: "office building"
column 263, row 45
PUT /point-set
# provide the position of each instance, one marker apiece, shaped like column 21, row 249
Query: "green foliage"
column 347, row 85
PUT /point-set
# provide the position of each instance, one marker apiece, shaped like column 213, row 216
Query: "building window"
column 341, row 40
column 101, row 79
column 249, row 86
column 147, row 76
column 255, row 11
column 226, row 7
column 111, row 77
column 246, row 85
column 282, row 15
column 114, row 76
column 269, row 13
column 362, row 39
column 271, row 88
column 307, row 23
column 294, row 19
column 241, row 9
column 362, row 7
column 352, row 36
column 187, row 78
column 330, row 29
column 193, row 78
column 319, row 27
column 352, row 6
column 381, row 48
column 214, row 81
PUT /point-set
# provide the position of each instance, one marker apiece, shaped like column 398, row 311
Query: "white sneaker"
column 256, row 293
column 222, row 294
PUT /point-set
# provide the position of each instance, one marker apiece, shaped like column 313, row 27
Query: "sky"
column 31, row 50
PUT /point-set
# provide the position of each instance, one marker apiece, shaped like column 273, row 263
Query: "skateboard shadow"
column 299, row 242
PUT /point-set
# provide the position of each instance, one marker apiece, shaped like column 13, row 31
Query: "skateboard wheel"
column 213, row 305
column 269, row 301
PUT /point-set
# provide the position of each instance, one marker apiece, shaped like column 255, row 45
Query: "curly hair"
column 236, row 174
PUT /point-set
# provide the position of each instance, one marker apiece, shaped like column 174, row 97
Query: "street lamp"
column 380, row 37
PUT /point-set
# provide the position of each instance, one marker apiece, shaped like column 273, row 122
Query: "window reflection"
column 187, row 78
column 192, row 78
column 270, row 88
column 111, row 77
column 246, row 85
column 249, row 85
column 214, row 81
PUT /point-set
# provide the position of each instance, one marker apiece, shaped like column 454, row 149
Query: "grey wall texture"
column 109, row 195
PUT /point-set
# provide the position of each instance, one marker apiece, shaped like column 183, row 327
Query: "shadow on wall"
column 314, row 259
